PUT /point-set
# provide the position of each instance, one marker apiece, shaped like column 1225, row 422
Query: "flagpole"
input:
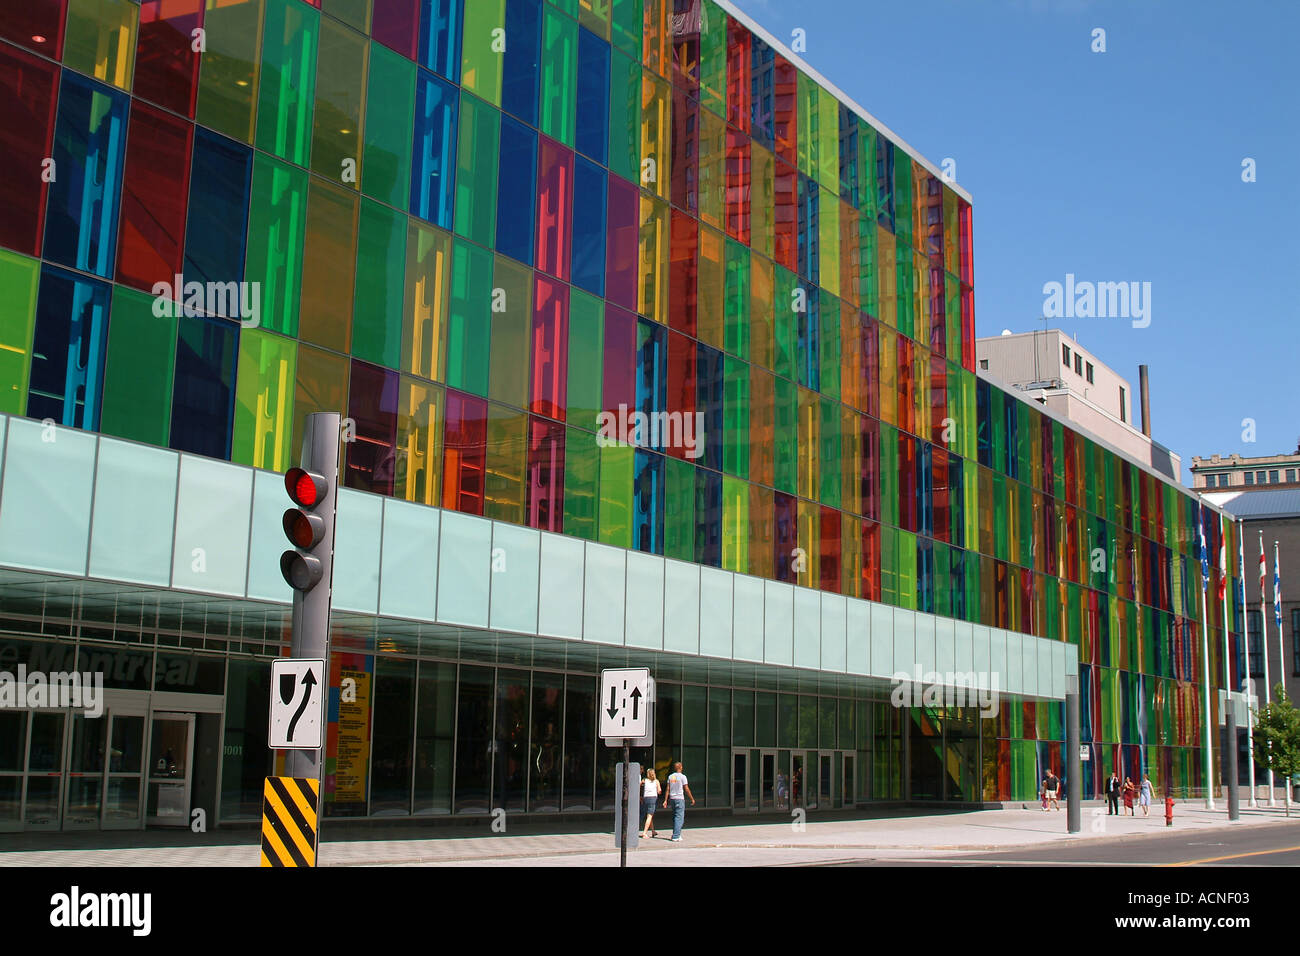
column 1246, row 682
column 1205, row 664
column 1227, row 658
column 1281, row 646
column 1263, row 637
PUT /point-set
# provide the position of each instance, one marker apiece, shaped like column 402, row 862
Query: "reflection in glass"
column 170, row 748
column 124, row 751
column 87, row 745
column 13, row 739
column 435, row 723
column 579, row 735
column 122, row 800
column 473, row 742
column 390, row 773
column 510, row 744
column 547, row 742
column 46, row 752
column 11, row 795
column 42, row 801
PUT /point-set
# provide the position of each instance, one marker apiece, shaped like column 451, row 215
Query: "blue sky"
column 1117, row 166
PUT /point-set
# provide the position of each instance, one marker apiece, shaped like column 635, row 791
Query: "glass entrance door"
column 850, row 793
column 171, row 757
column 84, row 793
column 797, row 780
column 740, row 780
column 42, row 798
column 767, row 783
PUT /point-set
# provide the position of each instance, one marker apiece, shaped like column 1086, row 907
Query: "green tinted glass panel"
column 736, row 308
column 355, row 13
column 679, row 510
column 616, row 464
column 287, row 87
column 511, row 324
column 581, row 479
column 829, row 318
column 559, row 77
column 277, row 222
column 19, row 278
column 99, row 39
column 138, row 370
column 829, row 452
column 735, row 525
column 386, row 160
column 482, row 45
column 586, row 351
column 476, row 178
column 507, row 448
column 787, row 435
column 625, row 27
column 264, row 400
column 735, row 439
column 340, row 100
column 469, row 319
column 713, row 57
column 228, row 73
column 377, row 305
column 625, row 117
column 785, row 323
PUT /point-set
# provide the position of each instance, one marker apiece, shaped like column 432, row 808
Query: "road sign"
column 1085, row 753
column 297, row 699
column 289, row 821
column 631, row 832
column 624, row 699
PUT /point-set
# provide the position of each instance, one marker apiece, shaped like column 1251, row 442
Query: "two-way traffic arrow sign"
column 626, row 691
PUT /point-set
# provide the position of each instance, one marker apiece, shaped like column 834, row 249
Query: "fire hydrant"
column 1169, row 811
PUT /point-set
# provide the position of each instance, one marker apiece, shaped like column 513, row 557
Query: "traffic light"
column 306, row 527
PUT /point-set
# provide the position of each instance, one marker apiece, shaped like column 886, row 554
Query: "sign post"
column 625, row 716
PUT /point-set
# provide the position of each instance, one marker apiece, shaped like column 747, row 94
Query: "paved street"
column 1007, row 836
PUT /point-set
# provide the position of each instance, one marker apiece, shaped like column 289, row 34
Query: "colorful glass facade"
column 474, row 227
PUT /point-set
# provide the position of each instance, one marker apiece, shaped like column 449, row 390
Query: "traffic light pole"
column 311, row 610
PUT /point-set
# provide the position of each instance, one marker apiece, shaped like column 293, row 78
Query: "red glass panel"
column 682, row 272
column 372, row 406
column 967, row 275
column 686, row 20
column 938, row 399
column 786, row 247
column 619, row 382
column 739, row 65
column 906, row 482
column 869, row 387
column 938, row 317
column 906, row 396
column 828, row 565
column 396, row 24
column 554, row 208
column 550, row 352
column 28, row 92
column 166, row 63
column 155, row 191
column 464, row 452
column 871, row 561
column 869, row 430
column 737, row 213
column 967, row 328
column 545, row 508
column 785, row 535
column 785, row 109
column 621, row 237
column 681, row 384
column 35, row 24
column 941, row 494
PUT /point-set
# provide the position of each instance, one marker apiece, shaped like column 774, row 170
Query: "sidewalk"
column 766, row 843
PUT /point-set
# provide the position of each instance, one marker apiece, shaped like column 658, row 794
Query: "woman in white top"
column 650, row 790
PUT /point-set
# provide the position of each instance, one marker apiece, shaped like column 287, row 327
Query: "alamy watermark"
column 652, row 430
column 62, row 689
column 240, row 301
column 1098, row 300
column 946, row 689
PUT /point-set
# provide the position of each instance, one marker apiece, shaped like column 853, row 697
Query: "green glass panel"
column 512, row 322
column 809, row 118
column 736, row 305
column 868, row 273
column 355, row 13
column 888, row 475
column 829, row 320
column 482, row 44
column 476, row 179
column 287, row 87
column 785, row 323
column 19, row 279
column 377, row 305
column 559, row 97
column 386, row 160
column 264, row 400
column 902, row 197
column 228, row 73
column 99, row 39
column 829, row 453
column 568, row 6
column 340, row 102
column 625, row 27
column 277, row 222
column 905, row 569
column 679, row 510
column 888, row 566
column 138, row 370
column 713, row 57
column 581, row 479
column 625, row 116
column 867, row 172
column 329, row 259
column 905, row 278
column 507, row 449
column 469, row 328
column 735, row 438
column 828, row 231
column 735, row 525
column 616, row 479
column 586, row 356
column 786, row 444
column 828, row 144
column 594, row 15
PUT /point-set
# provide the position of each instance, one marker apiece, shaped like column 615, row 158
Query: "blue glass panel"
column 433, row 166
column 516, row 190
column 648, row 503
column 593, row 97
column 925, row 489
column 762, row 113
column 68, row 349
column 89, row 144
column 708, row 515
column 957, row 507
column 203, row 396
column 589, row 199
column 521, row 67
column 983, row 400
column 849, row 185
column 651, row 375
column 440, row 22
column 885, row 182
column 708, row 399
column 809, row 260
column 218, row 210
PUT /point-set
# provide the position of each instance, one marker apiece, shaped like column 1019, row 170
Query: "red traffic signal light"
column 304, row 487
column 304, row 529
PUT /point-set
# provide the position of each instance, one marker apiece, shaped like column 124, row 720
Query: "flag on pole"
column 1205, row 560
column 1223, row 563
column 1241, row 577
column 1277, row 592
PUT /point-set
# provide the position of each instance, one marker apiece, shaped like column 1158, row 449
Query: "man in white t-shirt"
column 678, row 789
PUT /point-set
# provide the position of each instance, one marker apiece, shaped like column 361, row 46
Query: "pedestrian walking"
column 1113, row 788
column 1145, row 797
column 1129, row 790
column 1053, row 788
column 650, row 790
column 1042, row 793
column 679, row 789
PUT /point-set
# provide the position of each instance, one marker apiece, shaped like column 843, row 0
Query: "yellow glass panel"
column 711, row 289
column 428, row 264
column 652, row 292
column 809, row 442
column 656, row 134
column 419, row 441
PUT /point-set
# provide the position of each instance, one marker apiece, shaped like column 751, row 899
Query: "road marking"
column 1235, row 856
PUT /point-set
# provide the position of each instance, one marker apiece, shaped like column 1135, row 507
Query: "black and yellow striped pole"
column 289, row 821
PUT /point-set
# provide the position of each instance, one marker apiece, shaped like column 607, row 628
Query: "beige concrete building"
column 1235, row 471
column 1059, row 373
